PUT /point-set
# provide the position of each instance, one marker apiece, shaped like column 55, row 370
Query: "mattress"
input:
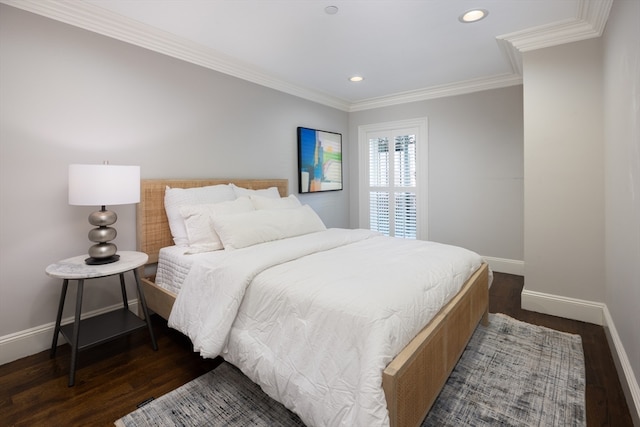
column 174, row 266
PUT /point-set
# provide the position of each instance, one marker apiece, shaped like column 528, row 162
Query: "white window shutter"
column 394, row 180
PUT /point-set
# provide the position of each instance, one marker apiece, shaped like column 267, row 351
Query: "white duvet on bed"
column 315, row 319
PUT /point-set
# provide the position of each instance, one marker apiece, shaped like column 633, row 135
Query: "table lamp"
column 102, row 185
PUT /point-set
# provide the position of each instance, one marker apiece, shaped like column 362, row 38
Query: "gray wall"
column 564, row 171
column 582, row 175
column 71, row 96
column 475, row 168
column 621, row 77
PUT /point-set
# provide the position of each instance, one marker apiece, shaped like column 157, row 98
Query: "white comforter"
column 315, row 319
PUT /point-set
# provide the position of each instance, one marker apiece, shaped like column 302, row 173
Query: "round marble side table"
column 85, row 333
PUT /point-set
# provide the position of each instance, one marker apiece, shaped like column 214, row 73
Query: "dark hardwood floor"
column 113, row 378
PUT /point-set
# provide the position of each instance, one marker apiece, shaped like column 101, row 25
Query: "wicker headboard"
column 153, row 231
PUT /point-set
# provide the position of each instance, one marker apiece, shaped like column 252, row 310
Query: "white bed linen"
column 315, row 319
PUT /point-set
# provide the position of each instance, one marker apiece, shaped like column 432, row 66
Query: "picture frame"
column 319, row 160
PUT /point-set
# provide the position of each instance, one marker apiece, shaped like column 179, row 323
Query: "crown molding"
column 442, row 91
column 590, row 22
column 107, row 23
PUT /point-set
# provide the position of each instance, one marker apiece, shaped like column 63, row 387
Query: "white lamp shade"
column 101, row 185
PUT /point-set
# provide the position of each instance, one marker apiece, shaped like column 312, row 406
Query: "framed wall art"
column 319, row 160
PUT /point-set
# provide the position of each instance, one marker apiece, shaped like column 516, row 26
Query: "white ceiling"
column 405, row 49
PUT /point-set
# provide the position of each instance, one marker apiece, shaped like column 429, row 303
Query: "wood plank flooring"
column 113, row 378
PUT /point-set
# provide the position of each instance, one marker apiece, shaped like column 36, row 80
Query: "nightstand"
column 86, row 333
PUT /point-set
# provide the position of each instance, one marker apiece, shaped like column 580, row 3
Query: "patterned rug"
column 512, row 373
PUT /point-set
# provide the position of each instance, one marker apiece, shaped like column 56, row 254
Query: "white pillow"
column 198, row 221
column 250, row 228
column 174, row 198
column 260, row 202
column 246, row 192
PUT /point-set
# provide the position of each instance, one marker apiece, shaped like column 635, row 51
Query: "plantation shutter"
column 393, row 185
column 392, row 191
column 379, row 179
column 405, row 187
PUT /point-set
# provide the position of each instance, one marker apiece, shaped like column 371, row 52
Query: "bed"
column 412, row 380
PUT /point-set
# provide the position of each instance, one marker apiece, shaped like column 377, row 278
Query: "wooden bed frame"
column 412, row 381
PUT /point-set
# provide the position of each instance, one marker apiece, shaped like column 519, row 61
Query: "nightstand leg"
column 144, row 309
column 76, row 334
column 124, row 291
column 56, row 331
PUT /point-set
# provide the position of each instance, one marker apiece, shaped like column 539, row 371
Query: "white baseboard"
column 509, row 266
column 625, row 371
column 34, row 340
column 570, row 308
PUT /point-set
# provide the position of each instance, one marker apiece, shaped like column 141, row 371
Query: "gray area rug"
column 512, row 373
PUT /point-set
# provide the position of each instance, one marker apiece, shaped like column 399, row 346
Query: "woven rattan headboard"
column 152, row 225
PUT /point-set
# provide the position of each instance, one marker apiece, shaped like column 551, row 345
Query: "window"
column 393, row 175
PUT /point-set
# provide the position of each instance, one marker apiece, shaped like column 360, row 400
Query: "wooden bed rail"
column 413, row 380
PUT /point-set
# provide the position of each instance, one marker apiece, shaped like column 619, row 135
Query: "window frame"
column 418, row 127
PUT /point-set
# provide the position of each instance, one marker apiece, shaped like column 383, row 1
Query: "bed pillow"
column 246, row 192
column 198, row 221
column 260, row 202
column 174, row 198
column 250, row 228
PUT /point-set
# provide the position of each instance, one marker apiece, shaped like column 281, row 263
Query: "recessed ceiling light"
column 473, row 15
column 331, row 10
column 356, row 78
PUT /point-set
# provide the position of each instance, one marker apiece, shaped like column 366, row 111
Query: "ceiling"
column 405, row 49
